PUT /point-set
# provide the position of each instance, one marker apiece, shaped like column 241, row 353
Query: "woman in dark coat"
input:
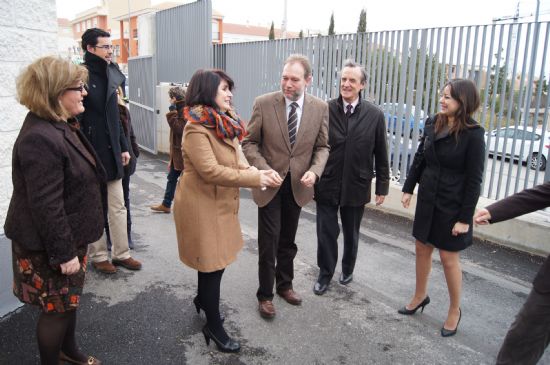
column 55, row 209
column 448, row 166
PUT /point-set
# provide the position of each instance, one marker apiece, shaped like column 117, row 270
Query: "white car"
column 534, row 137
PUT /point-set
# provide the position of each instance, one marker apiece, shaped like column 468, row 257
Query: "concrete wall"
column 30, row 31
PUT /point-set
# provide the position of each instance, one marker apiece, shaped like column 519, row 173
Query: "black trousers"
column 327, row 238
column 277, row 225
column 529, row 335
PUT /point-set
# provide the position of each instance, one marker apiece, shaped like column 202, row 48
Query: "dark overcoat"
column 526, row 201
column 356, row 144
column 100, row 122
column 56, row 202
column 449, row 172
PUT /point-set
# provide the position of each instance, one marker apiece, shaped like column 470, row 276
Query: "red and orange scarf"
column 227, row 125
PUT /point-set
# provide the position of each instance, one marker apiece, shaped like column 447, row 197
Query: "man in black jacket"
column 529, row 335
column 101, row 124
column 357, row 139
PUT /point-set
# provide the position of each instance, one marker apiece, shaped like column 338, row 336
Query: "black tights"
column 55, row 333
column 209, row 298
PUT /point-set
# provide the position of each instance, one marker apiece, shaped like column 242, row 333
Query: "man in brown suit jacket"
column 288, row 132
column 529, row 335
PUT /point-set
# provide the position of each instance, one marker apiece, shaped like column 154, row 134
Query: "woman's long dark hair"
column 465, row 93
column 203, row 87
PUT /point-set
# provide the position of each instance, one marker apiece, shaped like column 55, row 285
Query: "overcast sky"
column 381, row 15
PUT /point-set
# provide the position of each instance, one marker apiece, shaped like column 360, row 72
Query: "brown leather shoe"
column 267, row 310
column 290, row 296
column 129, row 263
column 160, row 208
column 104, row 266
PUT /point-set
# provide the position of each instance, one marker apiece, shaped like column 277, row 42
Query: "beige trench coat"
column 206, row 203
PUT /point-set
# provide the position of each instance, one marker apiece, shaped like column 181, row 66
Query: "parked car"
column 533, row 138
column 391, row 110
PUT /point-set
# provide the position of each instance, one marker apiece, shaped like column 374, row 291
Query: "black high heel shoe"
column 448, row 333
column 409, row 312
column 229, row 346
column 198, row 308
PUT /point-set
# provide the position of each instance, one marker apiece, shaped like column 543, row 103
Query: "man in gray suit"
column 288, row 132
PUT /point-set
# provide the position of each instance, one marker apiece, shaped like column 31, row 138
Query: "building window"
column 95, row 22
column 77, row 27
column 88, row 24
column 83, row 26
column 134, row 33
column 215, row 31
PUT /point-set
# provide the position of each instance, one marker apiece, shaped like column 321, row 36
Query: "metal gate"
column 183, row 44
column 142, row 81
column 407, row 69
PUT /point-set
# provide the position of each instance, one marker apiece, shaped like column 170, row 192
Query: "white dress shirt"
column 353, row 105
column 299, row 110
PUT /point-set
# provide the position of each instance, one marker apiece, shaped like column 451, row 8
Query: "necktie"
column 292, row 123
column 348, row 110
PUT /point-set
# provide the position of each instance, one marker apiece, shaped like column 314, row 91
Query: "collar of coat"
column 98, row 66
column 95, row 63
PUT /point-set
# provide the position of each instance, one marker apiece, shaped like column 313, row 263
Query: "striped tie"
column 292, row 123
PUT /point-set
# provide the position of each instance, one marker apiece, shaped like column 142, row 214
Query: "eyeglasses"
column 80, row 88
column 105, row 46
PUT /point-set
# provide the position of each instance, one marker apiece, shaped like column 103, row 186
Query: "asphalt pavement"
column 147, row 317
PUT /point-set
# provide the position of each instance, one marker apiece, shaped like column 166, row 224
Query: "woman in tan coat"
column 206, row 203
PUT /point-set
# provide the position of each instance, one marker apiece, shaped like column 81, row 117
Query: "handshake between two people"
column 271, row 178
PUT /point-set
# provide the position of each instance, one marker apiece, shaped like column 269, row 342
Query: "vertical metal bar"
column 430, row 53
column 458, row 52
column 503, row 94
column 536, row 111
column 435, row 86
column 494, row 90
column 528, row 104
column 466, row 53
column 384, row 69
column 452, row 68
column 379, row 52
column 371, row 48
column 420, row 80
column 519, row 109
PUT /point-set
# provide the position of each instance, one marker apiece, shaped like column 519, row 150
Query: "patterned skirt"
column 36, row 282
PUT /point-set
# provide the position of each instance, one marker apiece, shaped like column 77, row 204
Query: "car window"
column 527, row 135
column 504, row 132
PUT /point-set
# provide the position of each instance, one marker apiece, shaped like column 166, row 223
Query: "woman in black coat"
column 448, row 166
column 55, row 209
